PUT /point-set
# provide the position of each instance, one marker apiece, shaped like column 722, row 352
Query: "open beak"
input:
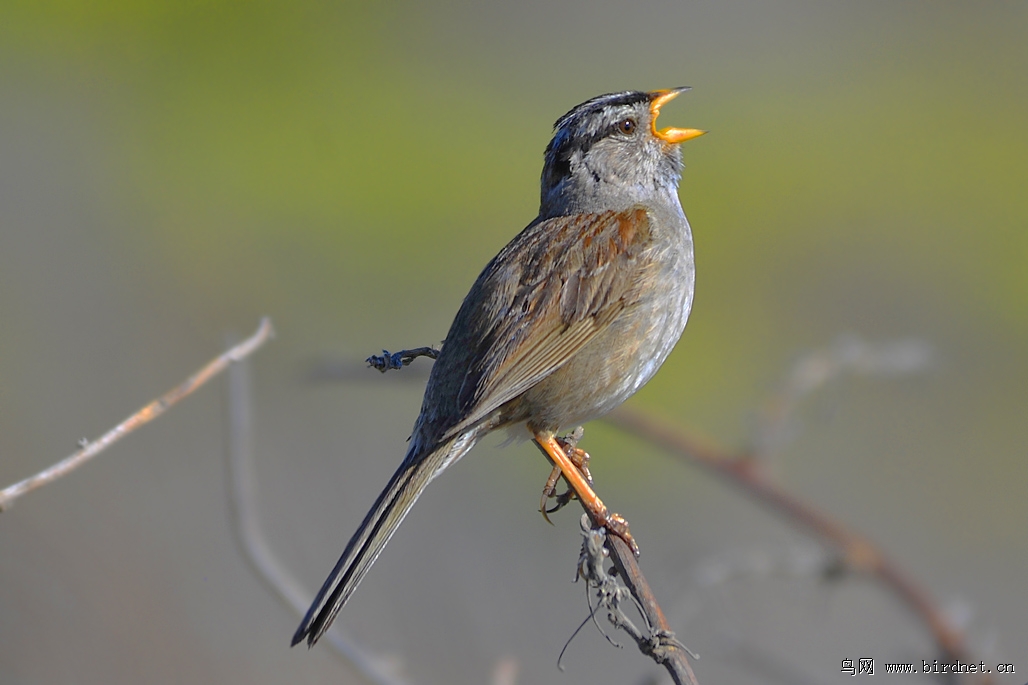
column 670, row 135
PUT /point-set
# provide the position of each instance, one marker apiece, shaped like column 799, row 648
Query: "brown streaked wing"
column 541, row 300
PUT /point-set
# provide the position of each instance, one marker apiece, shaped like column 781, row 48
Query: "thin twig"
column 145, row 415
column 669, row 655
column 849, row 355
column 398, row 360
column 859, row 554
column 255, row 546
column 658, row 641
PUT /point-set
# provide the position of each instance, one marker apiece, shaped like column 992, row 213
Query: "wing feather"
column 541, row 300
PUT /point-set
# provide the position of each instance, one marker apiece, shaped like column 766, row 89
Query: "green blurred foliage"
column 371, row 147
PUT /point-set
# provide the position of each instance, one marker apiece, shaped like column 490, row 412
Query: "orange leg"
column 615, row 523
column 580, row 458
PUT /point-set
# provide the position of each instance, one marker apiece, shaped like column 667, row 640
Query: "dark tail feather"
column 378, row 526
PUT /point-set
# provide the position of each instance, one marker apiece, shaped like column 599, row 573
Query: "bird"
column 569, row 320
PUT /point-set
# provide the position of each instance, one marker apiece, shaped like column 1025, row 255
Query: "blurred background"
column 169, row 172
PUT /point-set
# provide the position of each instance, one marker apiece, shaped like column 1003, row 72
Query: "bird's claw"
column 617, row 525
column 580, row 458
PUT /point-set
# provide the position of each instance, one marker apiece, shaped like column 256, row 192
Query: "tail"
column 378, row 526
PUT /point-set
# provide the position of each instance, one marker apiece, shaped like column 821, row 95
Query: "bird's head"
column 607, row 153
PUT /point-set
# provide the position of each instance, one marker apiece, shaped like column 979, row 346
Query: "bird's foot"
column 578, row 457
column 617, row 526
column 574, row 471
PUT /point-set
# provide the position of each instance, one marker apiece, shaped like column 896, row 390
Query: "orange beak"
column 670, row 135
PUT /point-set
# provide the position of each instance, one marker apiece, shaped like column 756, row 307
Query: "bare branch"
column 145, row 415
column 849, row 355
column 398, row 360
column 255, row 546
column 658, row 641
column 859, row 554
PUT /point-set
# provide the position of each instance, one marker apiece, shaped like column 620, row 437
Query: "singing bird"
column 569, row 320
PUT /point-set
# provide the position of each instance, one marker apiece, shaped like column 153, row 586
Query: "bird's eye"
column 626, row 125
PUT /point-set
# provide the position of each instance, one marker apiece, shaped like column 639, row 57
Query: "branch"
column 849, row 355
column 859, row 554
column 88, row 450
column 658, row 642
column 256, row 548
column 398, row 360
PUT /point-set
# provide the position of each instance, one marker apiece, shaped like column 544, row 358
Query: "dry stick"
column 256, row 548
column 859, row 553
column 141, row 417
column 672, row 658
column 389, row 361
